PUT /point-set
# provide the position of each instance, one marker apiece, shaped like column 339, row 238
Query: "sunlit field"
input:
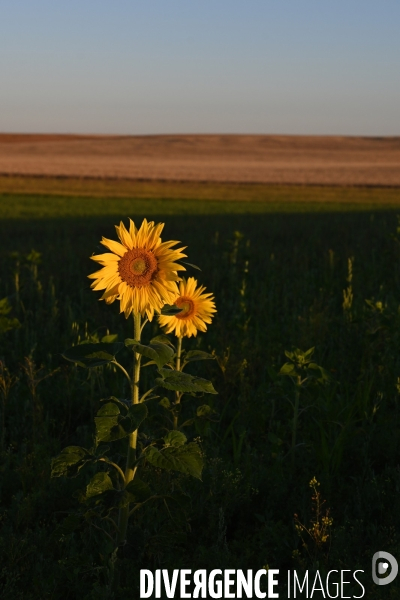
column 291, row 268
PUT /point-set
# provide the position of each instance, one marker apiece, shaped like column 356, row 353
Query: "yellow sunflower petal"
column 141, row 271
column 197, row 310
column 124, row 236
column 115, row 247
column 105, row 259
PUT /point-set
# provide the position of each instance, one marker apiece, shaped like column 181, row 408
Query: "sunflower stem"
column 178, row 395
column 131, row 455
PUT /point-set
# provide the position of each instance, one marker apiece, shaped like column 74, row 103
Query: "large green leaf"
column 175, row 438
column 111, row 425
column 163, row 339
column 186, row 459
column 138, row 490
column 124, row 403
column 137, row 414
column 157, row 351
column 69, row 461
column 183, row 382
column 198, row 355
column 101, row 482
column 93, row 355
column 110, row 409
column 107, row 421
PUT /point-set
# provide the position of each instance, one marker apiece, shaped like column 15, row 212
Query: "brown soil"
column 318, row 160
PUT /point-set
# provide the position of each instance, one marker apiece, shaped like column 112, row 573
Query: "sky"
column 210, row 66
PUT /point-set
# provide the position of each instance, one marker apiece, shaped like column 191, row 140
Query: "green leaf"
column 93, row 355
column 188, row 422
column 139, row 490
column 101, row 482
column 5, row 306
column 125, row 404
column 69, row 461
column 288, row 369
column 204, row 411
column 170, row 310
column 185, row 459
column 162, row 339
column 137, row 414
column 319, row 372
column 326, row 376
column 108, row 410
column 112, row 426
column 299, row 356
column 109, row 339
column 198, row 355
column 165, row 403
column 101, row 451
column 175, row 438
column 7, row 323
column 183, row 382
column 157, row 351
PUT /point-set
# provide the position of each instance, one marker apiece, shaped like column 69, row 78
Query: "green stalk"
column 178, row 395
column 295, row 417
column 132, row 440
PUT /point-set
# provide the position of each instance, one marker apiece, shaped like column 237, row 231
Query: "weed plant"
column 281, row 283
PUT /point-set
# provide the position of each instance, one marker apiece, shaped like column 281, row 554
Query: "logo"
column 384, row 571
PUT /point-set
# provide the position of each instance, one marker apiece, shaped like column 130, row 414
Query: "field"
column 291, row 267
column 272, row 159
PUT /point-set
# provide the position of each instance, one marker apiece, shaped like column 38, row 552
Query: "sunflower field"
column 291, row 453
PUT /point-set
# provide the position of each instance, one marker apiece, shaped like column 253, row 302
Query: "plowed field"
column 263, row 159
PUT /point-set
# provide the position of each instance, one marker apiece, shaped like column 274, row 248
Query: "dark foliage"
column 278, row 281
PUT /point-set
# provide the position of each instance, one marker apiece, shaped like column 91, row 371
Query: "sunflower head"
column 140, row 271
column 197, row 309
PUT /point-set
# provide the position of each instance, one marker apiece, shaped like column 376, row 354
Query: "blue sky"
column 209, row 66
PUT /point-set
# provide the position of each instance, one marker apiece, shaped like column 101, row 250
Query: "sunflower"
column 197, row 309
column 141, row 271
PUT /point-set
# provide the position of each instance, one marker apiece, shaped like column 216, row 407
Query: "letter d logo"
column 382, row 568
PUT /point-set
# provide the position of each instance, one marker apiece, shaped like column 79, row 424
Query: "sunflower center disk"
column 137, row 267
column 187, row 307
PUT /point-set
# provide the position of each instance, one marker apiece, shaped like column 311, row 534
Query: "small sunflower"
column 141, row 271
column 197, row 309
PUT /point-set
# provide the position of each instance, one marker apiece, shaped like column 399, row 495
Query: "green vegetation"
column 56, row 198
column 282, row 282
